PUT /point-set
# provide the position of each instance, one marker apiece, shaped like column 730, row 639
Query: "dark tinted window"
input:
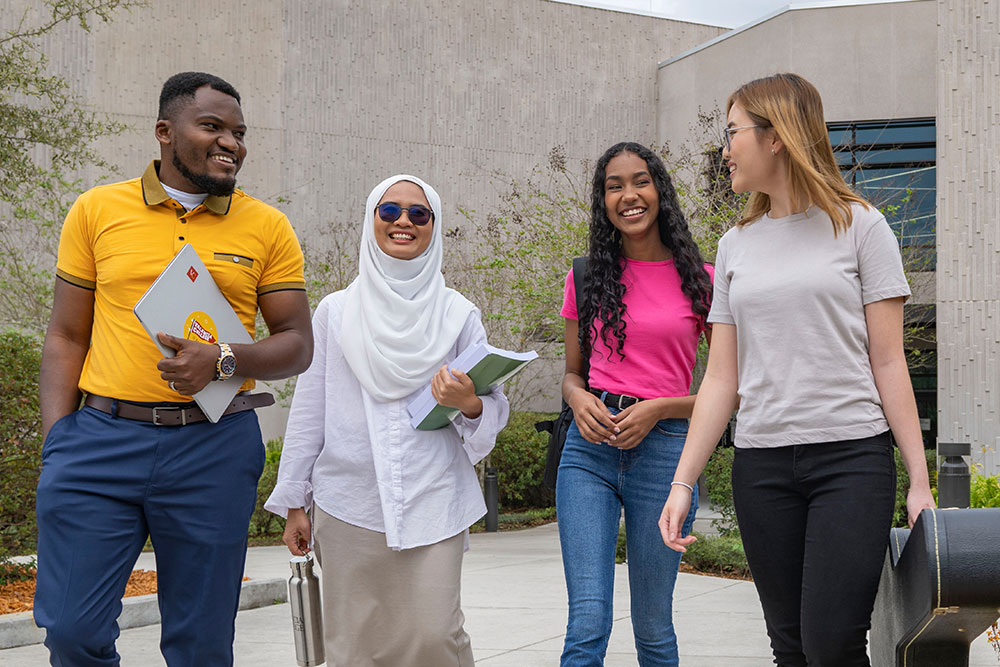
column 892, row 164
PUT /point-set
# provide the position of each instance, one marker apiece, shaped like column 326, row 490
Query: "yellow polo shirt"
column 118, row 238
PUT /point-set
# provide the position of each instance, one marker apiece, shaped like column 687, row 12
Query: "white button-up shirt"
column 417, row 487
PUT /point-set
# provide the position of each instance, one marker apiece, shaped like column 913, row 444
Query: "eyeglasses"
column 418, row 215
column 727, row 134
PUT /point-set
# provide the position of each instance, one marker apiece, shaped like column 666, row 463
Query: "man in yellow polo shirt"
column 139, row 459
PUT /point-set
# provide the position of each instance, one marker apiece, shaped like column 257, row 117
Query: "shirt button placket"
column 397, row 467
column 180, row 229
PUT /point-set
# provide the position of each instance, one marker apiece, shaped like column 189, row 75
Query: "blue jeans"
column 594, row 483
column 106, row 484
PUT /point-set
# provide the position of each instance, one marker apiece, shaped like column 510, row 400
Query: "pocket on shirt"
column 233, row 271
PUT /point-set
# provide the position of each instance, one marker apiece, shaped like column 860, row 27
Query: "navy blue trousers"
column 106, row 485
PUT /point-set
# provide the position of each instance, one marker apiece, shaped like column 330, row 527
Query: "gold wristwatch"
column 225, row 365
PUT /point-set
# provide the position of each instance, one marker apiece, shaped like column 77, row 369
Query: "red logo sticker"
column 201, row 332
column 192, row 274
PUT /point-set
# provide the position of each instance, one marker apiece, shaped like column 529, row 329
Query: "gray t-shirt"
column 797, row 295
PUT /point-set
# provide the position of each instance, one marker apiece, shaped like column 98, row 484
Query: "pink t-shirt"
column 661, row 334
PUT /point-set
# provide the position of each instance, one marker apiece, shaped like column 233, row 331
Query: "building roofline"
column 591, row 4
column 767, row 17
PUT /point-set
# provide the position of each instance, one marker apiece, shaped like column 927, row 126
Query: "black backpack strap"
column 558, row 427
column 579, row 272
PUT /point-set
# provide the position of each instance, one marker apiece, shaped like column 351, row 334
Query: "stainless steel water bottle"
column 307, row 612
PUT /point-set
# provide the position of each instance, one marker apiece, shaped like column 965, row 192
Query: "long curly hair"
column 603, row 287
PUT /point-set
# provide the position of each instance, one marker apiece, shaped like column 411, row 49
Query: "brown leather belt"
column 173, row 415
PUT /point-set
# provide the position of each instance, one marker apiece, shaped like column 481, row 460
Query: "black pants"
column 815, row 523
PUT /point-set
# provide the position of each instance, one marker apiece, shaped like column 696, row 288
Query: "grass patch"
column 265, row 540
column 720, row 555
column 518, row 519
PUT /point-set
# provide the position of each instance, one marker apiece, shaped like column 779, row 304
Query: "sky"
column 727, row 13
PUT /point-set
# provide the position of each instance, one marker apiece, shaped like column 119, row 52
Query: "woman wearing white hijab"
column 391, row 506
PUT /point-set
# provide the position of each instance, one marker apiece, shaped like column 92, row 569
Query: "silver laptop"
column 184, row 301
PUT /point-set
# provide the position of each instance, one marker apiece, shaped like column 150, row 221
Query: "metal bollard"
column 492, row 500
column 953, row 475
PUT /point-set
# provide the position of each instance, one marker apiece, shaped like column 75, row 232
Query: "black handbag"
column 559, row 427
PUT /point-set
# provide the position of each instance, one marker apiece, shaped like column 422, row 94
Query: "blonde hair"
column 792, row 106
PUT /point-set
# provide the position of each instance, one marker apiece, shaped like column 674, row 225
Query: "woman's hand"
column 635, row 422
column 455, row 389
column 298, row 531
column 675, row 511
column 918, row 498
column 592, row 417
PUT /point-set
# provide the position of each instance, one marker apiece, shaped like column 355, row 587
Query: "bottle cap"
column 301, row 565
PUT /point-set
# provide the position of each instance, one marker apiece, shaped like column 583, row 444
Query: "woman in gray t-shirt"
column 808, row 339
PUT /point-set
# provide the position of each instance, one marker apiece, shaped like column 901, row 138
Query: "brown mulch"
column 720, row 573
column 18, row 595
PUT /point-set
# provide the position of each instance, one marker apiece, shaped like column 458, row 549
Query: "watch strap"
column 225, row 352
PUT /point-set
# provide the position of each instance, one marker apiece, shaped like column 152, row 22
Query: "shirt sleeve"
column 75, row 263
column 721, row 312
column 285, row 265
column 880, row 265
column 305, row 433
column 479, row 435
column 569, row 310
column 710, row 270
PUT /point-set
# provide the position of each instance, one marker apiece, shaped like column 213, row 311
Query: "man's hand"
column 192, row 368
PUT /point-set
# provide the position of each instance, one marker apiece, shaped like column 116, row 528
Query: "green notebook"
column 486, row 365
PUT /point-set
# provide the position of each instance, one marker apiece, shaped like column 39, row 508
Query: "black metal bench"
column 940, row 589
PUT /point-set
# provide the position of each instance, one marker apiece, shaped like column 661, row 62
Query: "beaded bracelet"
column 684, row 484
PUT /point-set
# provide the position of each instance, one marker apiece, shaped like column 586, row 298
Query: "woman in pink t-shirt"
column 646, row 296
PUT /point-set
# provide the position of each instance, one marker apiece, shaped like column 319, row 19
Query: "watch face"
column 228, row 365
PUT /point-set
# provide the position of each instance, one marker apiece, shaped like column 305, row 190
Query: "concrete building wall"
column 339, row 94
column 869, row 62
column 968, row 233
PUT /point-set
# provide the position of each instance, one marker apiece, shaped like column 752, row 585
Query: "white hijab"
column 400, row 321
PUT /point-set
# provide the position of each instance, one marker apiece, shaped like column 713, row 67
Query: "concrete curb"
column 20, row 629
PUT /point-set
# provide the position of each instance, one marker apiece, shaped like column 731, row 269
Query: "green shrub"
column 20, row 442
column 621, row 552
column 519, row 457
column 12, row 571
column 899, row 517
column 722, row 554
column 984, row 490
column 263, row 522
column 718, row 482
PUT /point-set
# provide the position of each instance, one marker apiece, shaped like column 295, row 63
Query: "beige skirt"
column 385, row 608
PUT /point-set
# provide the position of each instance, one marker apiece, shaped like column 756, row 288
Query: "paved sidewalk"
column 514, row 600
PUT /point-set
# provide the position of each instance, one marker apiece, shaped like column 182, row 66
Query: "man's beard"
column 217, row 187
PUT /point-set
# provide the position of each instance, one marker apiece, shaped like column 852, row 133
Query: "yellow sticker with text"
column 199, row 326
